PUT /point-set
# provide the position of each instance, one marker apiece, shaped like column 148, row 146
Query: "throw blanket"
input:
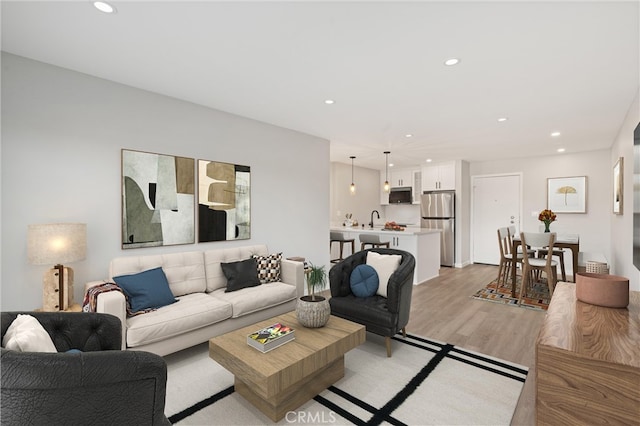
column 91, row 298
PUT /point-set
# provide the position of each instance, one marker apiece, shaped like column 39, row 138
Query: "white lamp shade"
column 56, row 243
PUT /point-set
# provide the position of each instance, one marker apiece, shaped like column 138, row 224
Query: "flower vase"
column 546, row 227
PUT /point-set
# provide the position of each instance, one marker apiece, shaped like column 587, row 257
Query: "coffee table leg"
column 277, row 406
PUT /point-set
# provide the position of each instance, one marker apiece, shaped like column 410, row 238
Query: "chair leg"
column 387, row 342
column 501, row 272
column 562, row 271
column 404, row 332
column 525, row 281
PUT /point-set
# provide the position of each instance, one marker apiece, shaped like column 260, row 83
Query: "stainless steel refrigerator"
column 438, row 211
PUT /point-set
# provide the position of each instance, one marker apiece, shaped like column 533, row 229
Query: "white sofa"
column 203, row 309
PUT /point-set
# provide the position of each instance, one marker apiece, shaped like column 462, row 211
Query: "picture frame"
column 567, row 194
column 224, row 201
column 618, row 188
column 158, row 199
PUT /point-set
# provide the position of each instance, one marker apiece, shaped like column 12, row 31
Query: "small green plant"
column 316, row 279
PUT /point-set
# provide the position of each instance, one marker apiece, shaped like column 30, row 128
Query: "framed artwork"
column 567, row 194
column 158, row 199
column 224, row 201
column 636, row 196
column 617, row 186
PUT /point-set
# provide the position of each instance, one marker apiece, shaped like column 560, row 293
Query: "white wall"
column 622, row 225
column 62, row 135
column 366, row 198
column 593, row 227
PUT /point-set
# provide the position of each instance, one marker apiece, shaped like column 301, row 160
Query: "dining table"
column 570, row 241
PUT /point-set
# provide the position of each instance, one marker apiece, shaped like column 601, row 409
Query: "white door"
column 495, row 204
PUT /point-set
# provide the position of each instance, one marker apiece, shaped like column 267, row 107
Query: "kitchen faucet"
column 376, row 212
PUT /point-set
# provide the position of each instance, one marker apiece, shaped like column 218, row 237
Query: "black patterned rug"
column 425, row 382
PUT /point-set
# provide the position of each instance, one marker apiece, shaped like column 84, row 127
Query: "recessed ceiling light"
column 555, row 134
column 560, row 149
column 502, row 119
column 408, row 135
column 429, row 160
column 452, row 61
column 329, row 101
column 104, row 7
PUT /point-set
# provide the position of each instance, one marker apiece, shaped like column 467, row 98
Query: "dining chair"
column 511, row 232
column 535, row 264
column 557, row 252
column 507, row 260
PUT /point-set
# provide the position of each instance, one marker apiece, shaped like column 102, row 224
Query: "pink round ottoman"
column 611, row 291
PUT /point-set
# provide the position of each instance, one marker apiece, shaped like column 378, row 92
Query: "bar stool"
column 372, row 240
column 338, row 237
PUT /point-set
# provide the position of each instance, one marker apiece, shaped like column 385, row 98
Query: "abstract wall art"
column 158, row 199
column 224, row 201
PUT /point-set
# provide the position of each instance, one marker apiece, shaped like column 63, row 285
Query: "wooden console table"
column 588, row 362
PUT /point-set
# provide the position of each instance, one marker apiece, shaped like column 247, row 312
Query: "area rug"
column 537, row 297
column 425, row 382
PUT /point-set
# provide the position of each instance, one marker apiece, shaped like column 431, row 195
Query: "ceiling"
column 570, row 67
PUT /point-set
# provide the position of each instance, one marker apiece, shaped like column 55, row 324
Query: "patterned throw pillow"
column 268, row 267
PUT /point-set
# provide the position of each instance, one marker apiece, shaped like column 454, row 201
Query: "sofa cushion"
column 385, row 265
column 193, row 311
column 147, row 289
column 364, row 281
column 254, row 299
column 184, row 271
column 268, row 267
column 240, row 274
column 213, row 259
column 26, row 334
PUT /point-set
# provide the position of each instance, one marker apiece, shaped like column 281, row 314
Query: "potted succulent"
column 313, row 311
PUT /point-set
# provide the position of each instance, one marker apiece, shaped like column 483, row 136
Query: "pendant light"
column 386, row 172
column 352, row 188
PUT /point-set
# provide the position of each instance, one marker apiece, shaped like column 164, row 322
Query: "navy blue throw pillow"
column 147, row 289
column 364, row 281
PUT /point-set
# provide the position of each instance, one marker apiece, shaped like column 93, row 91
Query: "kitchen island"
column 422, row 243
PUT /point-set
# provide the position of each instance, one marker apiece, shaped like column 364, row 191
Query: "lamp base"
column 57, row 290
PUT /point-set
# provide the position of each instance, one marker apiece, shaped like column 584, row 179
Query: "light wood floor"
column 442, row 309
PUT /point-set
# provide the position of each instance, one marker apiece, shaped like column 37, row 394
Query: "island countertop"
column 409, row 230
column 422, row 243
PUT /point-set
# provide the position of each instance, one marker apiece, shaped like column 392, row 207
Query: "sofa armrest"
column 292, row 273
column 114, row 303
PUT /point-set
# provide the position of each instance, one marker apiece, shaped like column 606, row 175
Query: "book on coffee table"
column 271, row 337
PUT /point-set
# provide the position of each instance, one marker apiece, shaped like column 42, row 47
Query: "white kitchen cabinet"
column 417, row 186
column 402, row 178
column 404, row 242
column 399, row 178
column 439, row 176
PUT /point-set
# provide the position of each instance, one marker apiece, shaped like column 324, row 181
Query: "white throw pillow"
column 26, row 334
column 385, row 265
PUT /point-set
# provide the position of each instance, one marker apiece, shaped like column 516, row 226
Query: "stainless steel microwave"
column 401, row 195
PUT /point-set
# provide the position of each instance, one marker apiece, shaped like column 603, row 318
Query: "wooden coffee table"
column 286, row 377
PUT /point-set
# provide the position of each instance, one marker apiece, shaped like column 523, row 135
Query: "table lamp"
column 57, row 243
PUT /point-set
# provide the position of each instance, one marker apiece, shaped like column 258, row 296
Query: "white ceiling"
column 570, row 67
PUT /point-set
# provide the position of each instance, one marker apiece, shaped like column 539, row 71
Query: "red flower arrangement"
column 547, row 216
